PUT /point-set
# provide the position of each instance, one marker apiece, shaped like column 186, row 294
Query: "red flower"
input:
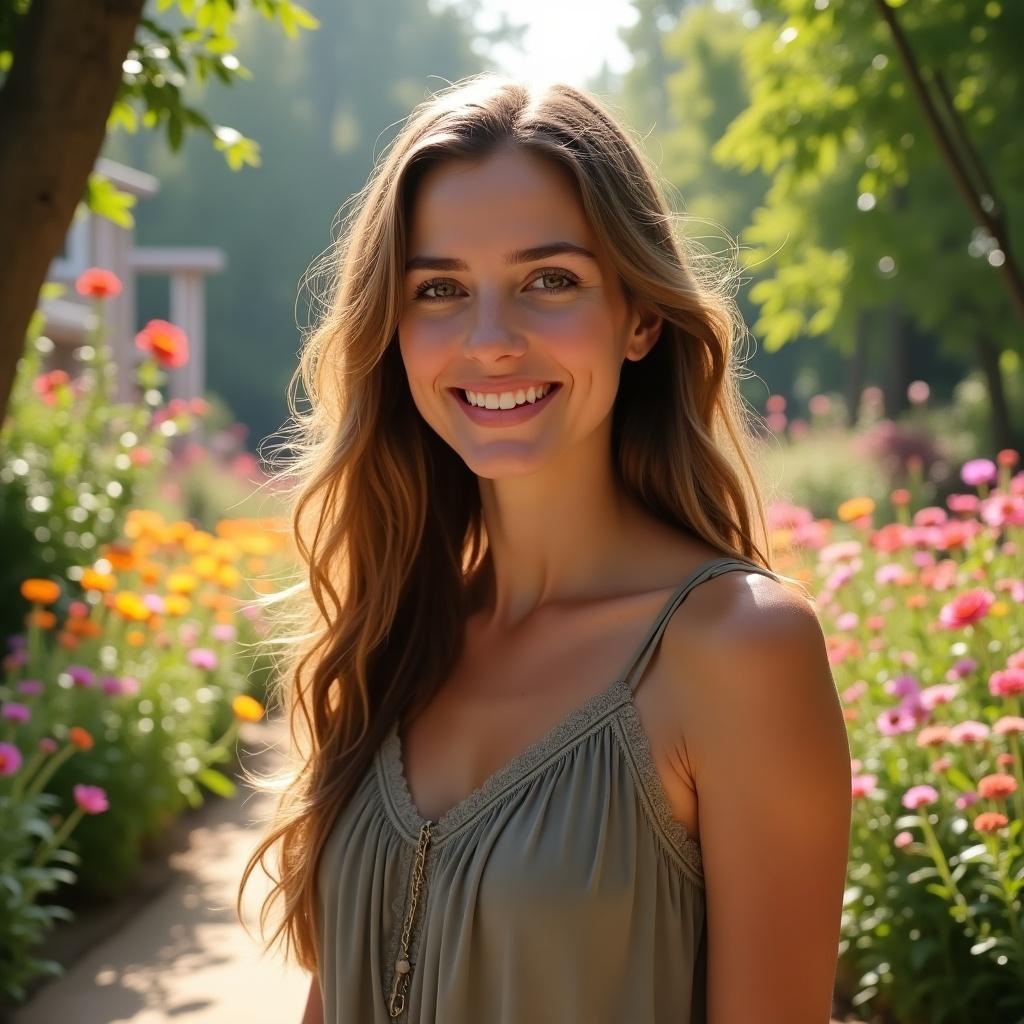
column 997, row 786
column 97, row 283
column 990, row 821
column 47, row 383
column 167, row 343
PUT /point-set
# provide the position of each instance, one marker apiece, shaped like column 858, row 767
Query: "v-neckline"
column 570, row 727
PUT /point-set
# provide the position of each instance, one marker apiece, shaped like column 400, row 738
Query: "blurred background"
column 170, row 171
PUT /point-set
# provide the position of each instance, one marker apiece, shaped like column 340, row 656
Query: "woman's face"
column 506, row 291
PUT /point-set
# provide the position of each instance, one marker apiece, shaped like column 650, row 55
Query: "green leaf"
column 216, row 782
column 105, row 200
column 960, row 780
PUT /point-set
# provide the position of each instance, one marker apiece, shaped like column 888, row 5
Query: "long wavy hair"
column 387, row 518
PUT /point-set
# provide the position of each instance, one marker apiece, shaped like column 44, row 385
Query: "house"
column 95, row 241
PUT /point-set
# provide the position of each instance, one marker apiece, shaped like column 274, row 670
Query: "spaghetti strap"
column 715, row 567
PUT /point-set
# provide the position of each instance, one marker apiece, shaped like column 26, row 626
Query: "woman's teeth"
column 506, row 399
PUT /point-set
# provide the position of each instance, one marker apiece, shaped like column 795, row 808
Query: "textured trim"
column 685, row 850
column 403, row 869
column 575, row 726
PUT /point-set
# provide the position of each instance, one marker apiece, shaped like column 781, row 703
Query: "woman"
column 525, row 447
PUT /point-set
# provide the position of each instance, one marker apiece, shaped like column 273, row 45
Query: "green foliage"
column 186, row 40
column 72, row 460
column 862, row 211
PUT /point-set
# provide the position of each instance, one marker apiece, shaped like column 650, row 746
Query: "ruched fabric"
column 561, row 890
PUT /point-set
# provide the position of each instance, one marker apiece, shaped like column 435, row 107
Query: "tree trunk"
column 857, row 368
column 988, row 357
column 67, row 68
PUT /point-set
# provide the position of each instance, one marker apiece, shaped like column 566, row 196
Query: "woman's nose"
column 492, row 331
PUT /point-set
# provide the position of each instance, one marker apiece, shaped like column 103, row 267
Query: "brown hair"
column 386, row 517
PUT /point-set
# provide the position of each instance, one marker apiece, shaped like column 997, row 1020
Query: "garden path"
column 183, row 956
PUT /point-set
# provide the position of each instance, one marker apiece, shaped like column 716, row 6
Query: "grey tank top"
column 560, row 890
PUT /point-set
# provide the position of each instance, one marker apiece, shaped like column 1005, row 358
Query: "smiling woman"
column 526, row 789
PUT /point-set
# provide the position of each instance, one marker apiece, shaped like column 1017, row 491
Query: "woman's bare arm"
column 314, row 1005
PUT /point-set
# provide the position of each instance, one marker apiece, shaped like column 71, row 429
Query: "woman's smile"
column 506, row 408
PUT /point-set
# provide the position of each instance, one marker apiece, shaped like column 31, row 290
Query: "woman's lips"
column 503, row 417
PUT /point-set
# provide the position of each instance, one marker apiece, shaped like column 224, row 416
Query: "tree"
column 69, row 69
column 862, row 215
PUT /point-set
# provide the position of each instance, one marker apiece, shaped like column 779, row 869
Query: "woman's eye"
column 551, row 281
column 561, row 281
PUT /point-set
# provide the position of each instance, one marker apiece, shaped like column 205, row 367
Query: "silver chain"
column 403, row 966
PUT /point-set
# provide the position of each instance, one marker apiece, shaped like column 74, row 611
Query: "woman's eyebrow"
column 537, row 252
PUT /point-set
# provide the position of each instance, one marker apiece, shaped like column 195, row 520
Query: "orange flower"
column 120, row 555
column 998, row 786
column 246, row 708
column 855, row 508
column 989, row 821
column 99, row 581
column 81, row 738
column 167, row 343
column 41, row 618
column 97, row 283
column 135, row 638
column 40, row 591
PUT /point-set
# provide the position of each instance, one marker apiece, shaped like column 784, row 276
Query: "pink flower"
column 903, row 686
column 902, row 840
column 963, row 504
column 941, row 764
column 855, row 691
column 966, row 608
column 202, row 657
column 979, row 471
column 15, row 712
column 224, row 632
column 30, row 687
column 847, row 621
column 10, row 759
column 965, row 800
column 1008, row 725
column 940, row 693
column 1015, row 660
column 919, row 796
column 91, row 799
column 891, row 572
column 129, row 686
column 896, row 721
column 933, row 736
column 863, row 785
column 98, row 283
column 997, row 786
column 1008, row 683
column 48, row 745
column 969, row 731
column 1001, row 510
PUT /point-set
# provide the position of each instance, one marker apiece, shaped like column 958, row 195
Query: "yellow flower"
column 1000, row 608
column 855, row 508
column 176, row 605
column 131, row 606
column 181, row 583
column 40, row 591
column 246, row 708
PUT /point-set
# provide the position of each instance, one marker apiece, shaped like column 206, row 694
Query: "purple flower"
column 903, row 686
column 202, row 657
column 10, row 759
column 919, row 796
column 80, row 675
column 31, row 687
column 895, row 721
column 965, row 800
column 979, row 471
column 15, row 712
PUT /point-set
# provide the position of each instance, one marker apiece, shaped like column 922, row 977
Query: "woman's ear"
column 647, row 326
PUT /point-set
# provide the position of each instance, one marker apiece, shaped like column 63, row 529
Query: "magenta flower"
column 1007, row 683
column 10, row 759
column 965, row 800
column 30, row 687
column 919, row 796
column 903, row 686
column 48, row 745
column 202, row 657
column 91, row 799
column 969, row 732
column 80, row 675
column 966, row 608
column 979, row 471
column 15, row 712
